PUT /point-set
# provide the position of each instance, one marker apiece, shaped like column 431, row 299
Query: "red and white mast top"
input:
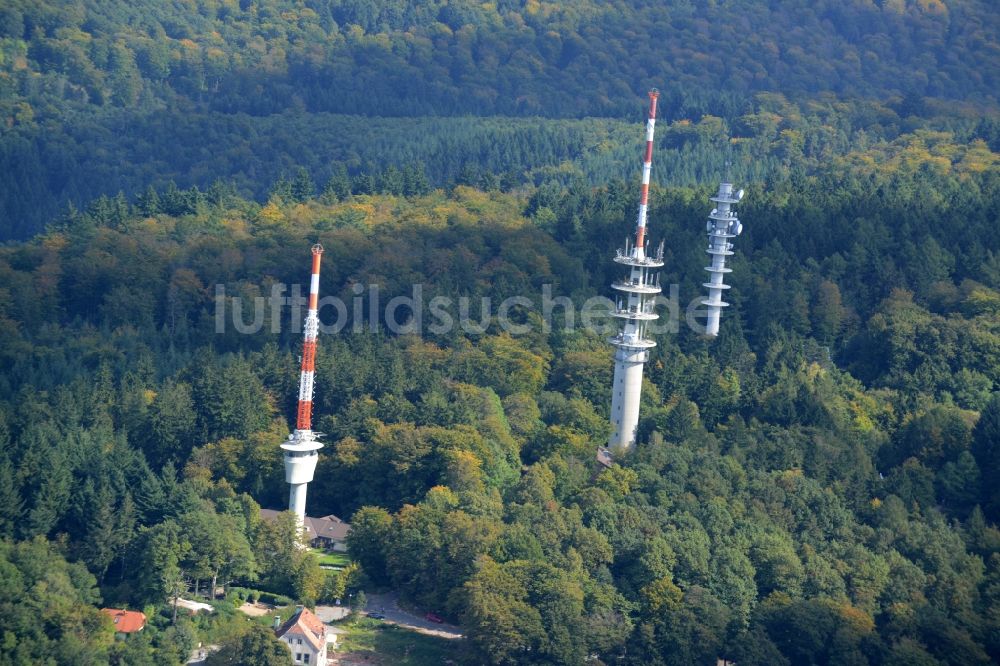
column 303, row 421
column 302, row 447
column 647, row 166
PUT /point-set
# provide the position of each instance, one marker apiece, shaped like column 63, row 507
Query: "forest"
column 103, row 96
column 818, row 485
column 814, row 486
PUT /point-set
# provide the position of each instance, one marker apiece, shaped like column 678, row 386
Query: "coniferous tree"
column 338, row 187
column 51, row 497
column 302, row 187
column 986, row 449
column 99, row 544
column 11, row 505
column 148, row 203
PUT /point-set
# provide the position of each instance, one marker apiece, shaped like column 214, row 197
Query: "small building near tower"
column 307, row 638
column 328, row 532
column 126, row 621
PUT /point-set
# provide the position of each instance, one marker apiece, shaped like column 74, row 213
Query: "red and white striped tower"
column 647, row 167
column 302, row 447
column 634, row 303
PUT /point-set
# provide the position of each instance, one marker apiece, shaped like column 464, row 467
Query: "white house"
column 306, row 636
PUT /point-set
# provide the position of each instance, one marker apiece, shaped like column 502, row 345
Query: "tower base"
column 626, row 391
column 301, row 456
column 297, row 501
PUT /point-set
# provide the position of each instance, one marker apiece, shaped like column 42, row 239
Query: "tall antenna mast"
column 302, row 447
column 647, row 167
column 635, row 302
column 722, row 225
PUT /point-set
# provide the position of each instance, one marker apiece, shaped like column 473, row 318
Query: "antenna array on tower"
column 722, row 225
column 302, row 447
column 634, row 304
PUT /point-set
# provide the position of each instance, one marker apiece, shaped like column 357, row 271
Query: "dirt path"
column 199, row 655
column 256, row 610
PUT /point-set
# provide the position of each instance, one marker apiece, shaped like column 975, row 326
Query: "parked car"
column 376, row 616
column 433, row 618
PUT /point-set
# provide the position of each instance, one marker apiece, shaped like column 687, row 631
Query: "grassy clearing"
column 331, row 559
column 227, row 623
column 378, row 643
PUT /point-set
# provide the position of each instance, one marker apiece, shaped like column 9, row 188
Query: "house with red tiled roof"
column 307, row 637
column 126, row 621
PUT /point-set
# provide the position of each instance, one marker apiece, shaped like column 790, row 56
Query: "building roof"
column 328, row 527
column 126, row 621
column 604, row 457
column 269, row 514
column 194, row 606
column 304, row 623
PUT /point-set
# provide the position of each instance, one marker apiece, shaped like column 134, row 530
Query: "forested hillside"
column 97, row 97
column 816, row 486
column 509, row 58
